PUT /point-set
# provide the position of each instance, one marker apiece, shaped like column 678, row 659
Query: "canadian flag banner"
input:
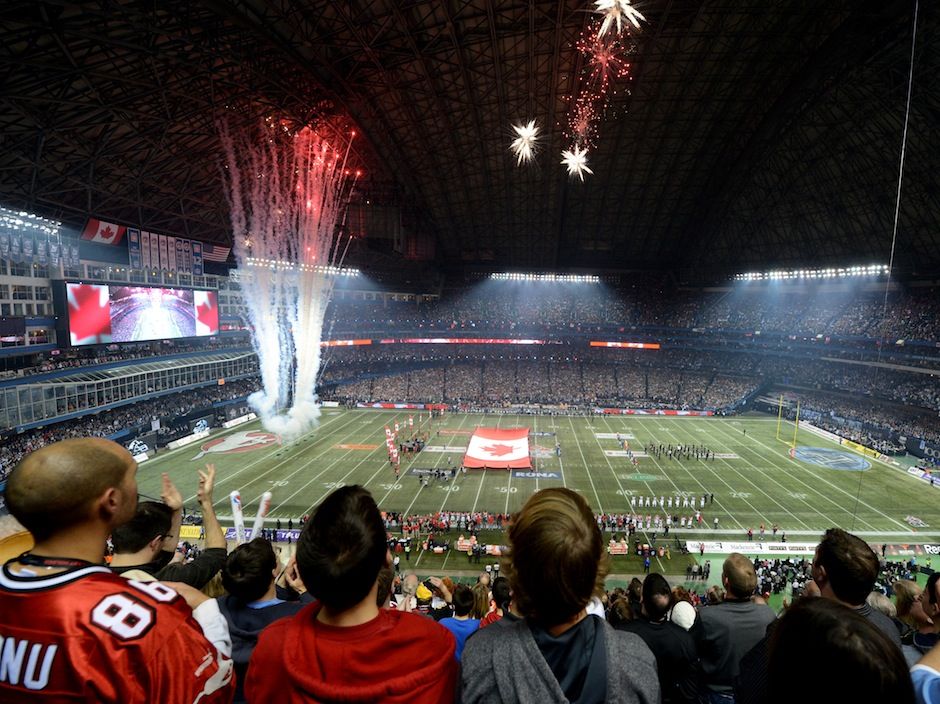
column 103, row 232
column 498, row 448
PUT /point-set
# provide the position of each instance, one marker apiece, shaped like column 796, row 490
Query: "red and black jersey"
column 89, row 635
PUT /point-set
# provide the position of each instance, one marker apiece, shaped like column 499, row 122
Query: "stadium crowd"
column 911, row 315
column 342, row 621
column 167, row 410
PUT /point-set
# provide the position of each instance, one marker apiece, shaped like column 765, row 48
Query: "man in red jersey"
column 70, row 630
column 343, row 647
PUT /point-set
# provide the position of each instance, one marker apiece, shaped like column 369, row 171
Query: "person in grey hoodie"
column 556, row 652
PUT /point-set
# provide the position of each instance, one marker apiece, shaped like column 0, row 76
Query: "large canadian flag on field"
column 498, row 449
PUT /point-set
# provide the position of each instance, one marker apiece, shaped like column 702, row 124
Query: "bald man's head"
column 63, row 484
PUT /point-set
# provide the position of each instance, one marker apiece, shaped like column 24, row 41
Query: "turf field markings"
column 421, row 488
column 326, row 447
column 623, row 496
column 759, row 514
column 719, row 478
column 828, row 519
column 273, row 451
column 476, row 498
column 587, row 469
column 785, row 470
column 535, row 427
column 668, row 475
column 346, row 476
column 840, row 489
column 451, row 484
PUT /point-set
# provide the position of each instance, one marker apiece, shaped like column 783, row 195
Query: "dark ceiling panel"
column 752, row 132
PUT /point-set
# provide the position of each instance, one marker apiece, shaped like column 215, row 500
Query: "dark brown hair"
column 342, row 548
column 557, row 559
column 843, row 655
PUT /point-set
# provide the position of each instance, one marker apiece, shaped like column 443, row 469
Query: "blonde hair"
column 481, row 601
column 906, row 593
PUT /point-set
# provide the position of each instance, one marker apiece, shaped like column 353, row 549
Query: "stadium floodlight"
column 21, row 221
column 827, row 273
column 552, row 278
column 280, row 264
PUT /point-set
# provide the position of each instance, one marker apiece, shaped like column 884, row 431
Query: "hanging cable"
column 897, row 214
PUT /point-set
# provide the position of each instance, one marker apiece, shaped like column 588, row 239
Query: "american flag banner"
column 214, row 252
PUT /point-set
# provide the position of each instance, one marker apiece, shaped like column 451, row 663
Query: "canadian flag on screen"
column 89, row 314
column 103, row 232
column 498, row 448
column 207, row 313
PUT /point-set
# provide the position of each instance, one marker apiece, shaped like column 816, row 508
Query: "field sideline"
column 757, row 482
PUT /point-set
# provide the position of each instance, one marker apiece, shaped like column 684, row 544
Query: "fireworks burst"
column 605, row 67
column 576, row 161
column 614, row 12
column 524, row 145
column 287, row 190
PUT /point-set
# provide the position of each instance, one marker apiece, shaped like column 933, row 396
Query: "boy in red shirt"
column 343, row 647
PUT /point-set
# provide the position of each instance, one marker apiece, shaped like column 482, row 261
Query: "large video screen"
column 98, row 313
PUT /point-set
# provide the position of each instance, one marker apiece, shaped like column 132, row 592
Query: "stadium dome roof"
column 754, row 134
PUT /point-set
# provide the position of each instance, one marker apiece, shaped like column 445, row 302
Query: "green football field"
column 753, row 479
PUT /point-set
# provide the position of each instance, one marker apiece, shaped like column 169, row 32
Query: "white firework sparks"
column 523, row 146
column 615, row 11
column 576, row 161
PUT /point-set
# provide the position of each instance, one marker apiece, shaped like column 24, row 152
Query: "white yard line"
column 843, row 491
column 587, row 469
column 765, row 475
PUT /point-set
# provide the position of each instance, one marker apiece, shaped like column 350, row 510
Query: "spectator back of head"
column 657, row 596
column 738, row 576
column 843, row 655
column 847, row 565
column 249, row 570
column 56, row 487
column 463, row 600
column 557, row 559
column 151, row 519
column 342, row 548
column 501, row 593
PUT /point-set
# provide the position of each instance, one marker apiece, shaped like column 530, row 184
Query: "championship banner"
column 187, row 257
column 42, row 245
column 181, row 257
column 145, row 250
column 133, row 247
column 164, row 252
column 197, row 258
column 171, row 254
column 154, row 250
column 496, row 448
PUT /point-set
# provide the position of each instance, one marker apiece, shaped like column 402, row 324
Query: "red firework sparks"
column 605, row 66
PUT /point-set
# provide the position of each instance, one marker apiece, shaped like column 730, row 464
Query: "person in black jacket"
column 251, row 605
column 676, row 659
